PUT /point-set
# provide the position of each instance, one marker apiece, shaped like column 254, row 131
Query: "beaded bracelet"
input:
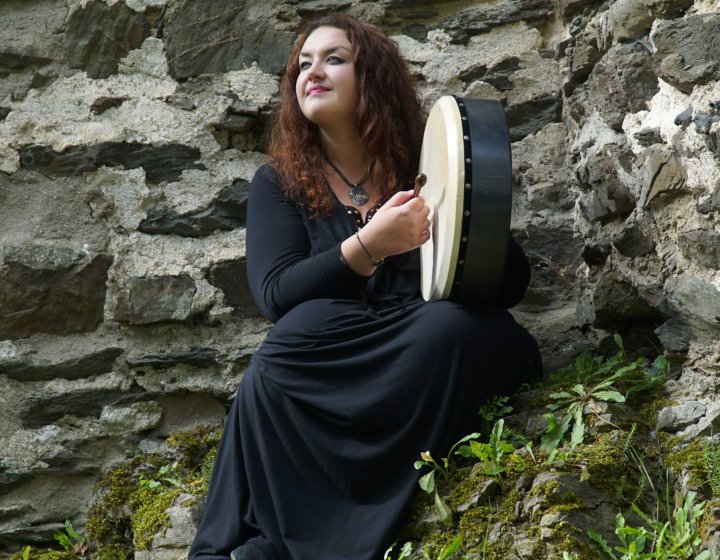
column 373, row 260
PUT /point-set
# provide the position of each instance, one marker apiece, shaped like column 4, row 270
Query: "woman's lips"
column 317, row 89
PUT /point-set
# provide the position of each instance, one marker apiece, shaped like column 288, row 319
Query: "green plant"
column 493, row 410
column 638, row 376
column 675, row 539
column 491, row 455
column 448, row 550
column 574, row 403
column 405, row 552
column 595, row 378
column 26, row 553
column 427, row 481
column 70, row 540
column 167, row 475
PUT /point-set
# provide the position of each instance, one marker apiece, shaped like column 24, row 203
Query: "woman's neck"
column 347, row 153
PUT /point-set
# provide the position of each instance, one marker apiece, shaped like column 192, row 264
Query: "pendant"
column 359, row 196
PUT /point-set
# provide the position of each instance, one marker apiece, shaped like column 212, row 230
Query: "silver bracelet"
column 373, row 260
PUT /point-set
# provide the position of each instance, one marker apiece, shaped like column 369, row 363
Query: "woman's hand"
column 400, row 225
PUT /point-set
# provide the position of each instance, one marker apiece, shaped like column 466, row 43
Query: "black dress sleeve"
column 515, row 278
column 282, row 273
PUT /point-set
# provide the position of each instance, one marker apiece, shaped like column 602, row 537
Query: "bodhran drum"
column 467, row 160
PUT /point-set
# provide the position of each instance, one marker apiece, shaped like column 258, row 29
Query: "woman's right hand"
column 400, row 225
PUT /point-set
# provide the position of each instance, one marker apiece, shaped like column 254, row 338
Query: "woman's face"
column 325, row 87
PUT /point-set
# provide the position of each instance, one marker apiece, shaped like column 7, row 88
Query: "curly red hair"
column 389, row 118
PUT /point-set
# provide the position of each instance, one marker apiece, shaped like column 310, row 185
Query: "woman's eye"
column 304, row 65
column 335, row 60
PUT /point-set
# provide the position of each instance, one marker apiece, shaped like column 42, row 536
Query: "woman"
column 358, row 375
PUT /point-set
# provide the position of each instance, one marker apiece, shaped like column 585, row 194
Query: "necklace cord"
column 345, row 179
column 358, row 194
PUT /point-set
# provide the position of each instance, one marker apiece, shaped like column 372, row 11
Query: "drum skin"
column 468, row 163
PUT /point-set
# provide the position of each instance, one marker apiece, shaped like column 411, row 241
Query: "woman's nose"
column 315, row 71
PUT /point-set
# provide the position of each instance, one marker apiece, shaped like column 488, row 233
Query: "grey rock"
column 676, row 418
column 583, row 52
column 635, row 239
column 615, row 299
column 231, row 278
column 632, row 19
column 661, row 172
column 570, row 8
column 317, row 7
column 155, row 299
column 102, row 104
column 477, row 20
column 713, row 545
column 22, row 47
column 694, row 298
column 82, row 402
column 628, row 19
column 51, row 290
column 622, row 82
column 675, row 335
column 531, row 116
column 498, row 75
column 98, row 36
column 595, row 253
column 161, row 163
column 86, row 455
column 237, row 123
column 227, row 212
column 37, row 534
column 186, row 411
column 138, row 417
column 710, row 203
column 487, row 490
column 199, row 357
column 609, row 197
column 227, row 35
column 701, row 246
column 554, row 256
column 4, row 112
column 648, row 136
column 17, row 61
column 524, row 483
column 706, row 426
column 703, row 123
column 684, row 118
column 525, row 544
column 548, row 522
column 597, row 511
column 184, row 517
column 77, row 367
column 687, row 52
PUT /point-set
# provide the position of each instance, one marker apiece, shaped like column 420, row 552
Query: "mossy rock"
column 131, row 501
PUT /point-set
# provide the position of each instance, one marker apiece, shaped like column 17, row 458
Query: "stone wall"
column 129, row 130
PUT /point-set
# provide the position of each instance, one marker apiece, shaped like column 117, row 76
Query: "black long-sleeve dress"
column 356, row 378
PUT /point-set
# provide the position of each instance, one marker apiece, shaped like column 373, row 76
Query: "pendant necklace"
column 358, row 194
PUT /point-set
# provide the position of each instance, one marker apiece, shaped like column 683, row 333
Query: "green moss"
column 194, row 446
column 108, row 518
column 47, row 554
column 688, row 459
column 150, row 514
column 55, row 555
column 131, row 501
column 606, row 464
column 113, row 552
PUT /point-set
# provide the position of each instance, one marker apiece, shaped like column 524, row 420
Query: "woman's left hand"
column 400, row 225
